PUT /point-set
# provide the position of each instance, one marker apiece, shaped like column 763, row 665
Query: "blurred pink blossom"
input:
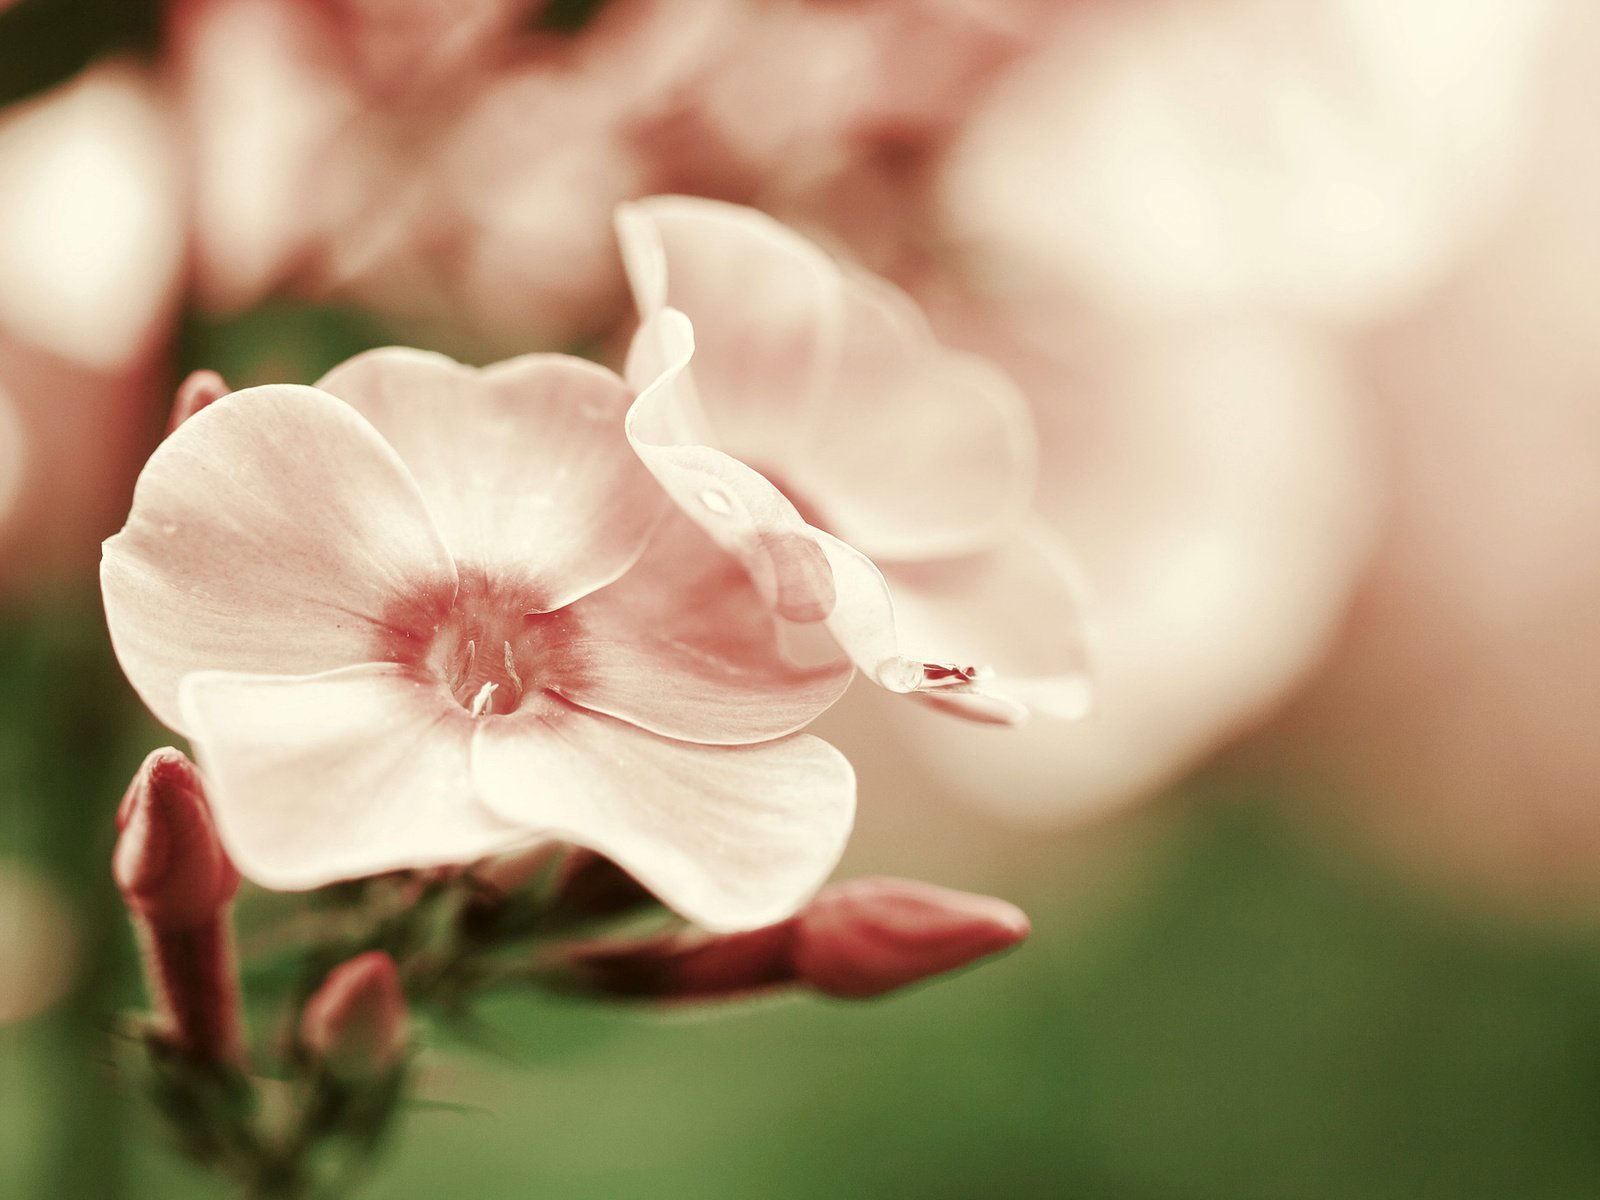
column 1457, row 715
column 1175, row 157
column 868, row 477
column 399, row 48
column 421, row 613
column 91, row 232
column 463, row 178
column 265, row 97
column 448, row 165
column 874, row 74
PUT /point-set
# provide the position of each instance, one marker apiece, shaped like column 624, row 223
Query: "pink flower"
column 421, row 613
column 866, row 476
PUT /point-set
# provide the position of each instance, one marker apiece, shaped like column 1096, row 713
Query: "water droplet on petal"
column 717, row 501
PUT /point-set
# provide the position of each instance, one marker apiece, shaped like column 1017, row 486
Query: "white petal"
column 732, row 837
column 524, row 464
column 738, row 507
column 831, row 383
column 273, row 532
column 684, row 646
column 765, row 304
column 1016, row 613
column 328, row 777
column 862, row 621
column 917, row 451
column 992, row 637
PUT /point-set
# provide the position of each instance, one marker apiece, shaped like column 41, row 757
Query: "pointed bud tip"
column 871, row 936
column 357, row 1022
column 200, row 389
column 168, row 861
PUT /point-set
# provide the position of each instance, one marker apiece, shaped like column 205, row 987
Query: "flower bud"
column 871, row 936
column 199, row 389
column 855, row 940
column 171, row 868
column 178, row 883
column 687, row 966
column 356, row 1023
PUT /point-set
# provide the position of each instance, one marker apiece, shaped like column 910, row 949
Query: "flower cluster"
column 420, row 613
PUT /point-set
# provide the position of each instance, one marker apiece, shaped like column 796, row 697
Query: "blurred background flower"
column 1302, row 295
column 91, row 245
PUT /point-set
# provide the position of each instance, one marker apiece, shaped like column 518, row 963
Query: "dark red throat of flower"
column 487, row 649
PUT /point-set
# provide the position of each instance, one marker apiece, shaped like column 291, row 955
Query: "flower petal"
column 992, row 637
column 832, row 383
column 274, row 532
column 764, row 301
column 326, row 777
column 739, row 508
column 862, row 622
column 918, row 452
column 732, row 837
column 523, row 464
column 1015, row 613
column 684, row 646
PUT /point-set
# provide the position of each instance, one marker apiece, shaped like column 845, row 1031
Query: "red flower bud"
column 854, row 941
column 178, row 883
column 171, row 868
column 198, row 390
column 356, row 1022
column 688, row 966
column 871, row 936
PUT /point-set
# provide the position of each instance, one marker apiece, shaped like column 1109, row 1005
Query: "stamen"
column 511, row 670
column 463, row 668
column 481, row 702
column 489, row 651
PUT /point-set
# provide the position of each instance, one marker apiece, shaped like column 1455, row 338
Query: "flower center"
column 490, row 653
